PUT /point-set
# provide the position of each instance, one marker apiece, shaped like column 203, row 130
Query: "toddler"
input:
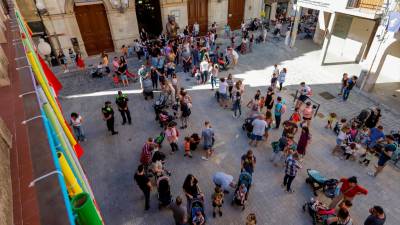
column 341, row 139
column 198, row 219
column 116, row 80
column 198, row 76
column 339, row 125
column 296, row 117
column 364, row 136
column 194, row 141
column 349, row 151
column 331, row 120
column 186, row 144
column 369, row 154
column 217, row 200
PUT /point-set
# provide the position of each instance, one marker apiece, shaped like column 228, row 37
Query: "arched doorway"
column 148, row 14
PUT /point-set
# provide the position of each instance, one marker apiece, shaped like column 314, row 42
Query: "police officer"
column 122, row 102
column 108, row 114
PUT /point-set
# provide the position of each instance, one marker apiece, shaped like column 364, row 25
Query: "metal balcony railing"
column 365, row 4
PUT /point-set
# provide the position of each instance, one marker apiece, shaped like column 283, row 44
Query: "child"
column 198, row 219
column 369, row 154
column 296, row 117
column 349, row 151
column 197, row 75
column 331, row 120
column 186, row 144
column 217, row 200
column 257, row 95
column 236, row 105
column 261, row 103
column 251, row 219
column 274, row 80
column 241, row 195
column 116, row 80
column 194, row 141
column 340, row 139
column 363, row 135
column 339, row 125
column 353, row 133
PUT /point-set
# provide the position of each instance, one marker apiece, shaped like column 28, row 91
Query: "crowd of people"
column 201, row 58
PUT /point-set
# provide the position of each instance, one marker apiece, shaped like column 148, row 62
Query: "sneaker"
column 114, row 133
column 371, row 174
column 290, row 191
column 204, row 158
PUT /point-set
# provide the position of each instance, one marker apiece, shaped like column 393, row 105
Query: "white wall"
column 390, row 71
column 352, row 47
column 253, row 9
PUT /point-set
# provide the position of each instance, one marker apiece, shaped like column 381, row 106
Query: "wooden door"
column 95, row 31
column 235, row 13
column 198, row 12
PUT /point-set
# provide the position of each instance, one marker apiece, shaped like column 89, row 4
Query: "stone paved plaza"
column 110, row 161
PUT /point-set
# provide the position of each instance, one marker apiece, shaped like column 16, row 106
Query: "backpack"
column 283, row 108
column 309, row 91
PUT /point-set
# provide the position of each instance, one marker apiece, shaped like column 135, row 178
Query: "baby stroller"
column 160, row 104
column 361, row 118
column 240, row 195
column 196, row 205
column 318, row 211
column 317, row 181
column 247, row 126
column 164, row 192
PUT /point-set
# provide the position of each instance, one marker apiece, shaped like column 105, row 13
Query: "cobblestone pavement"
column 110, row 161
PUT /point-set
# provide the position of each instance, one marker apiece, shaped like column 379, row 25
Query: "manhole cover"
column 327, row 96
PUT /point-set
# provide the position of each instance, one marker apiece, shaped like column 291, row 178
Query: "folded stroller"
column 240, row 195
column 164, row 192
column 318, row 211
column 317, row 182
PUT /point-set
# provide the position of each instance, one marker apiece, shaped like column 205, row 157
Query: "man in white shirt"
column 259, row 126
column 224, row 181
column 196, row 29
column 204, row 70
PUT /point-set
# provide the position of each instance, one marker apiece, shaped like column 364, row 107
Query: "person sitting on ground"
column 342, row 218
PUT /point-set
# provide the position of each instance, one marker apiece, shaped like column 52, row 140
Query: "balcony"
column 371, row 9
column 365, row 4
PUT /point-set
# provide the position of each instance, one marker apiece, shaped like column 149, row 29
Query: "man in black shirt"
column 122, row 103
column 144, row 184
column 377, row 216
column 108, row 114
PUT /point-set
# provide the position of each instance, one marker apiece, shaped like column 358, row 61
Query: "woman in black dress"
column 269, row 99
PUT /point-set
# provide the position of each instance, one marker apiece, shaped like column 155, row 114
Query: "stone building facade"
column 62, row 25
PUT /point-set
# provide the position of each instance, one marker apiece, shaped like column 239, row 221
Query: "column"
column 274, row 6
column 295, row 26
column 328, row 36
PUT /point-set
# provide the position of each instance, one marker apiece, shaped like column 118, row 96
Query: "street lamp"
column 121, row 5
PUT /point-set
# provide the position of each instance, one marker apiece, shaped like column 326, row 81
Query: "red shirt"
column 351, row 191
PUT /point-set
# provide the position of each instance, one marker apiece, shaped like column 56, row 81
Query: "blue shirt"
column 278, row 108
column 376, row 134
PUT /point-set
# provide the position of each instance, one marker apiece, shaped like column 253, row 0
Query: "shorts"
column 207, row 146
column 339, row 141
column 382, row 161
column 306, row 118
column 223, row 96
column 303, row 98
column 216, row 205
column 124, row 77
column 255, row 137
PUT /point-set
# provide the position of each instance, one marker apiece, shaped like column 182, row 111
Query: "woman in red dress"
column 305, row 138
column 79, row 61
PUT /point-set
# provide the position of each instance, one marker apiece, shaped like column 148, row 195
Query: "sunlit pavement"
column 110, row 161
